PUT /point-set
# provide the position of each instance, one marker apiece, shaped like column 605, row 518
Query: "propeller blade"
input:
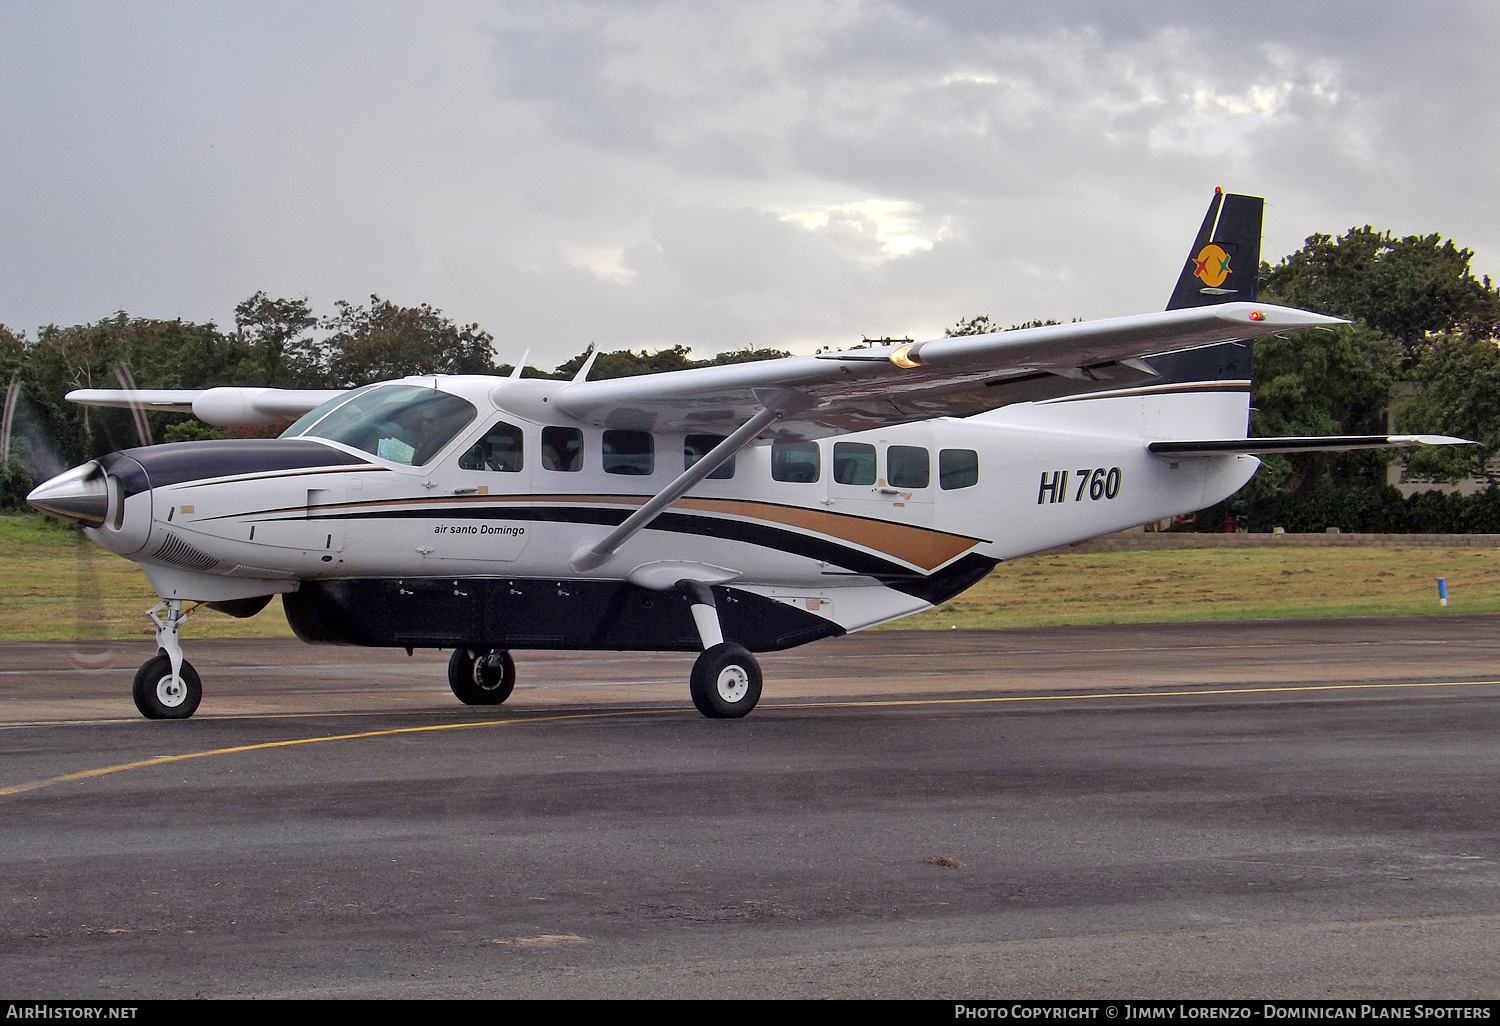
column 137, row 410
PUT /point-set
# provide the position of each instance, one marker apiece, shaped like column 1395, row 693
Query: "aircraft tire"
column 725, row 683
column 475, row 681
column 158, row 698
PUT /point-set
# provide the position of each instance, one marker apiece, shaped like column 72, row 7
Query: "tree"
column 104, row 354
column 747, row 355
column 1406, row 288
column 1401, row 293
column 1458, row 393
column 384, row 341
column 15, row 480
column 277, row 332
column 12, row 352
column 623, row 363
column 982, row 325
column 1323, row 383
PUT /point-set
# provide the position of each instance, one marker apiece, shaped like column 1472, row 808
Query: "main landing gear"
column 725, row 683
column 481, row 676
column 166, row 686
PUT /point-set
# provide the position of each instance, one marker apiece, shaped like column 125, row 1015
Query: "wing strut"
column 775, row 403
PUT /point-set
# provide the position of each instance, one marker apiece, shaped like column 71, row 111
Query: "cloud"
column 711, row 174
column 872, row 229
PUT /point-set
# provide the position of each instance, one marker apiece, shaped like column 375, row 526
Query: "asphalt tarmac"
column 1298, row 809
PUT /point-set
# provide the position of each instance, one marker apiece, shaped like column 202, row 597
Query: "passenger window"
column 562, row 449
column 908, row 466
column 853, row 463
column 499, row 449
column 629, row 452
column 797, row 462
column 958, row 468
column 695, row 447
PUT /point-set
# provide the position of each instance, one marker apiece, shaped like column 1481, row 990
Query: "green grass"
column 1166, row 585
column 54, row 586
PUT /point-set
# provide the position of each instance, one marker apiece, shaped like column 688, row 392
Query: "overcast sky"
column 716, row 175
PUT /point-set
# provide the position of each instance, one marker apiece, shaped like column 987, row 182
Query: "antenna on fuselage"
column 520, row 364
column 588, row 364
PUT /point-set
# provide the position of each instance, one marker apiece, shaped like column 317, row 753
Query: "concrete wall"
column 1138, row 539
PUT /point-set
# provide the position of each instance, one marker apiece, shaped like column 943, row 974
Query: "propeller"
column 12, row 393
column 24, row 437
column 137, row 410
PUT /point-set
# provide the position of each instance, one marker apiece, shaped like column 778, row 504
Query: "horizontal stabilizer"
column 1316, row 443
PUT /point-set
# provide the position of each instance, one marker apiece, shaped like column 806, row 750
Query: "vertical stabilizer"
column 1192, row 388
column 1223, row 265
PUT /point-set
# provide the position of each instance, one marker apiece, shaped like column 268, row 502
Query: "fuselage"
column 399, row 540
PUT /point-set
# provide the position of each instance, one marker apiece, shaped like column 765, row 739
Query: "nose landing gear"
column 166, row 686
column 160, row 695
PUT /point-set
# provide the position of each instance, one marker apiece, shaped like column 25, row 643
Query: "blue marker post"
column 1442, row 592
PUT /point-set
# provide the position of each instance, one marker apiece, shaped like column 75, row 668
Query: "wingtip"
column 1430, row 440
column 1274, row 316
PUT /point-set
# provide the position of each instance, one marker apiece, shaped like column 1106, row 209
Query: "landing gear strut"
column 166, row 686
column 725, row 683
column 481, row 676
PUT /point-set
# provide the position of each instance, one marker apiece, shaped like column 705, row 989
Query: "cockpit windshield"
column 401, row 423
column 317, row 413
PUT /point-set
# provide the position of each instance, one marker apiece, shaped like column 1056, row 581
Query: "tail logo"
column 1211, row 265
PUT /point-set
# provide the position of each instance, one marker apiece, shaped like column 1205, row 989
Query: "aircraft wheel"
column 159, row 697
column 726, row 682
column 481, row 677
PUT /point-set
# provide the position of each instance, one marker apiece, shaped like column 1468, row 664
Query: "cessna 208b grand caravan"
column 727, row 510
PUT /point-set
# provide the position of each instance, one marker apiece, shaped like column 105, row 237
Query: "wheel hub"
column 489, row 672
column 733, row 683
column 171, row 692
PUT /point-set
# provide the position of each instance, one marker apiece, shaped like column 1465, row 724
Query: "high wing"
column 225, row 406
column 830, row 393
column 864, row 388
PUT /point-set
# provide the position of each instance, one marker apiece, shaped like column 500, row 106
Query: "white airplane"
column 727, row 510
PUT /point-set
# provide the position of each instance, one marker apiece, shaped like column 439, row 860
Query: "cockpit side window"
column 401, row 423
column 499, row 450
column 562, row 449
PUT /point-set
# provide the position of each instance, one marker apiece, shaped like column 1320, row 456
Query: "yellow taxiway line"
column 875, row 703
column 162, row 760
